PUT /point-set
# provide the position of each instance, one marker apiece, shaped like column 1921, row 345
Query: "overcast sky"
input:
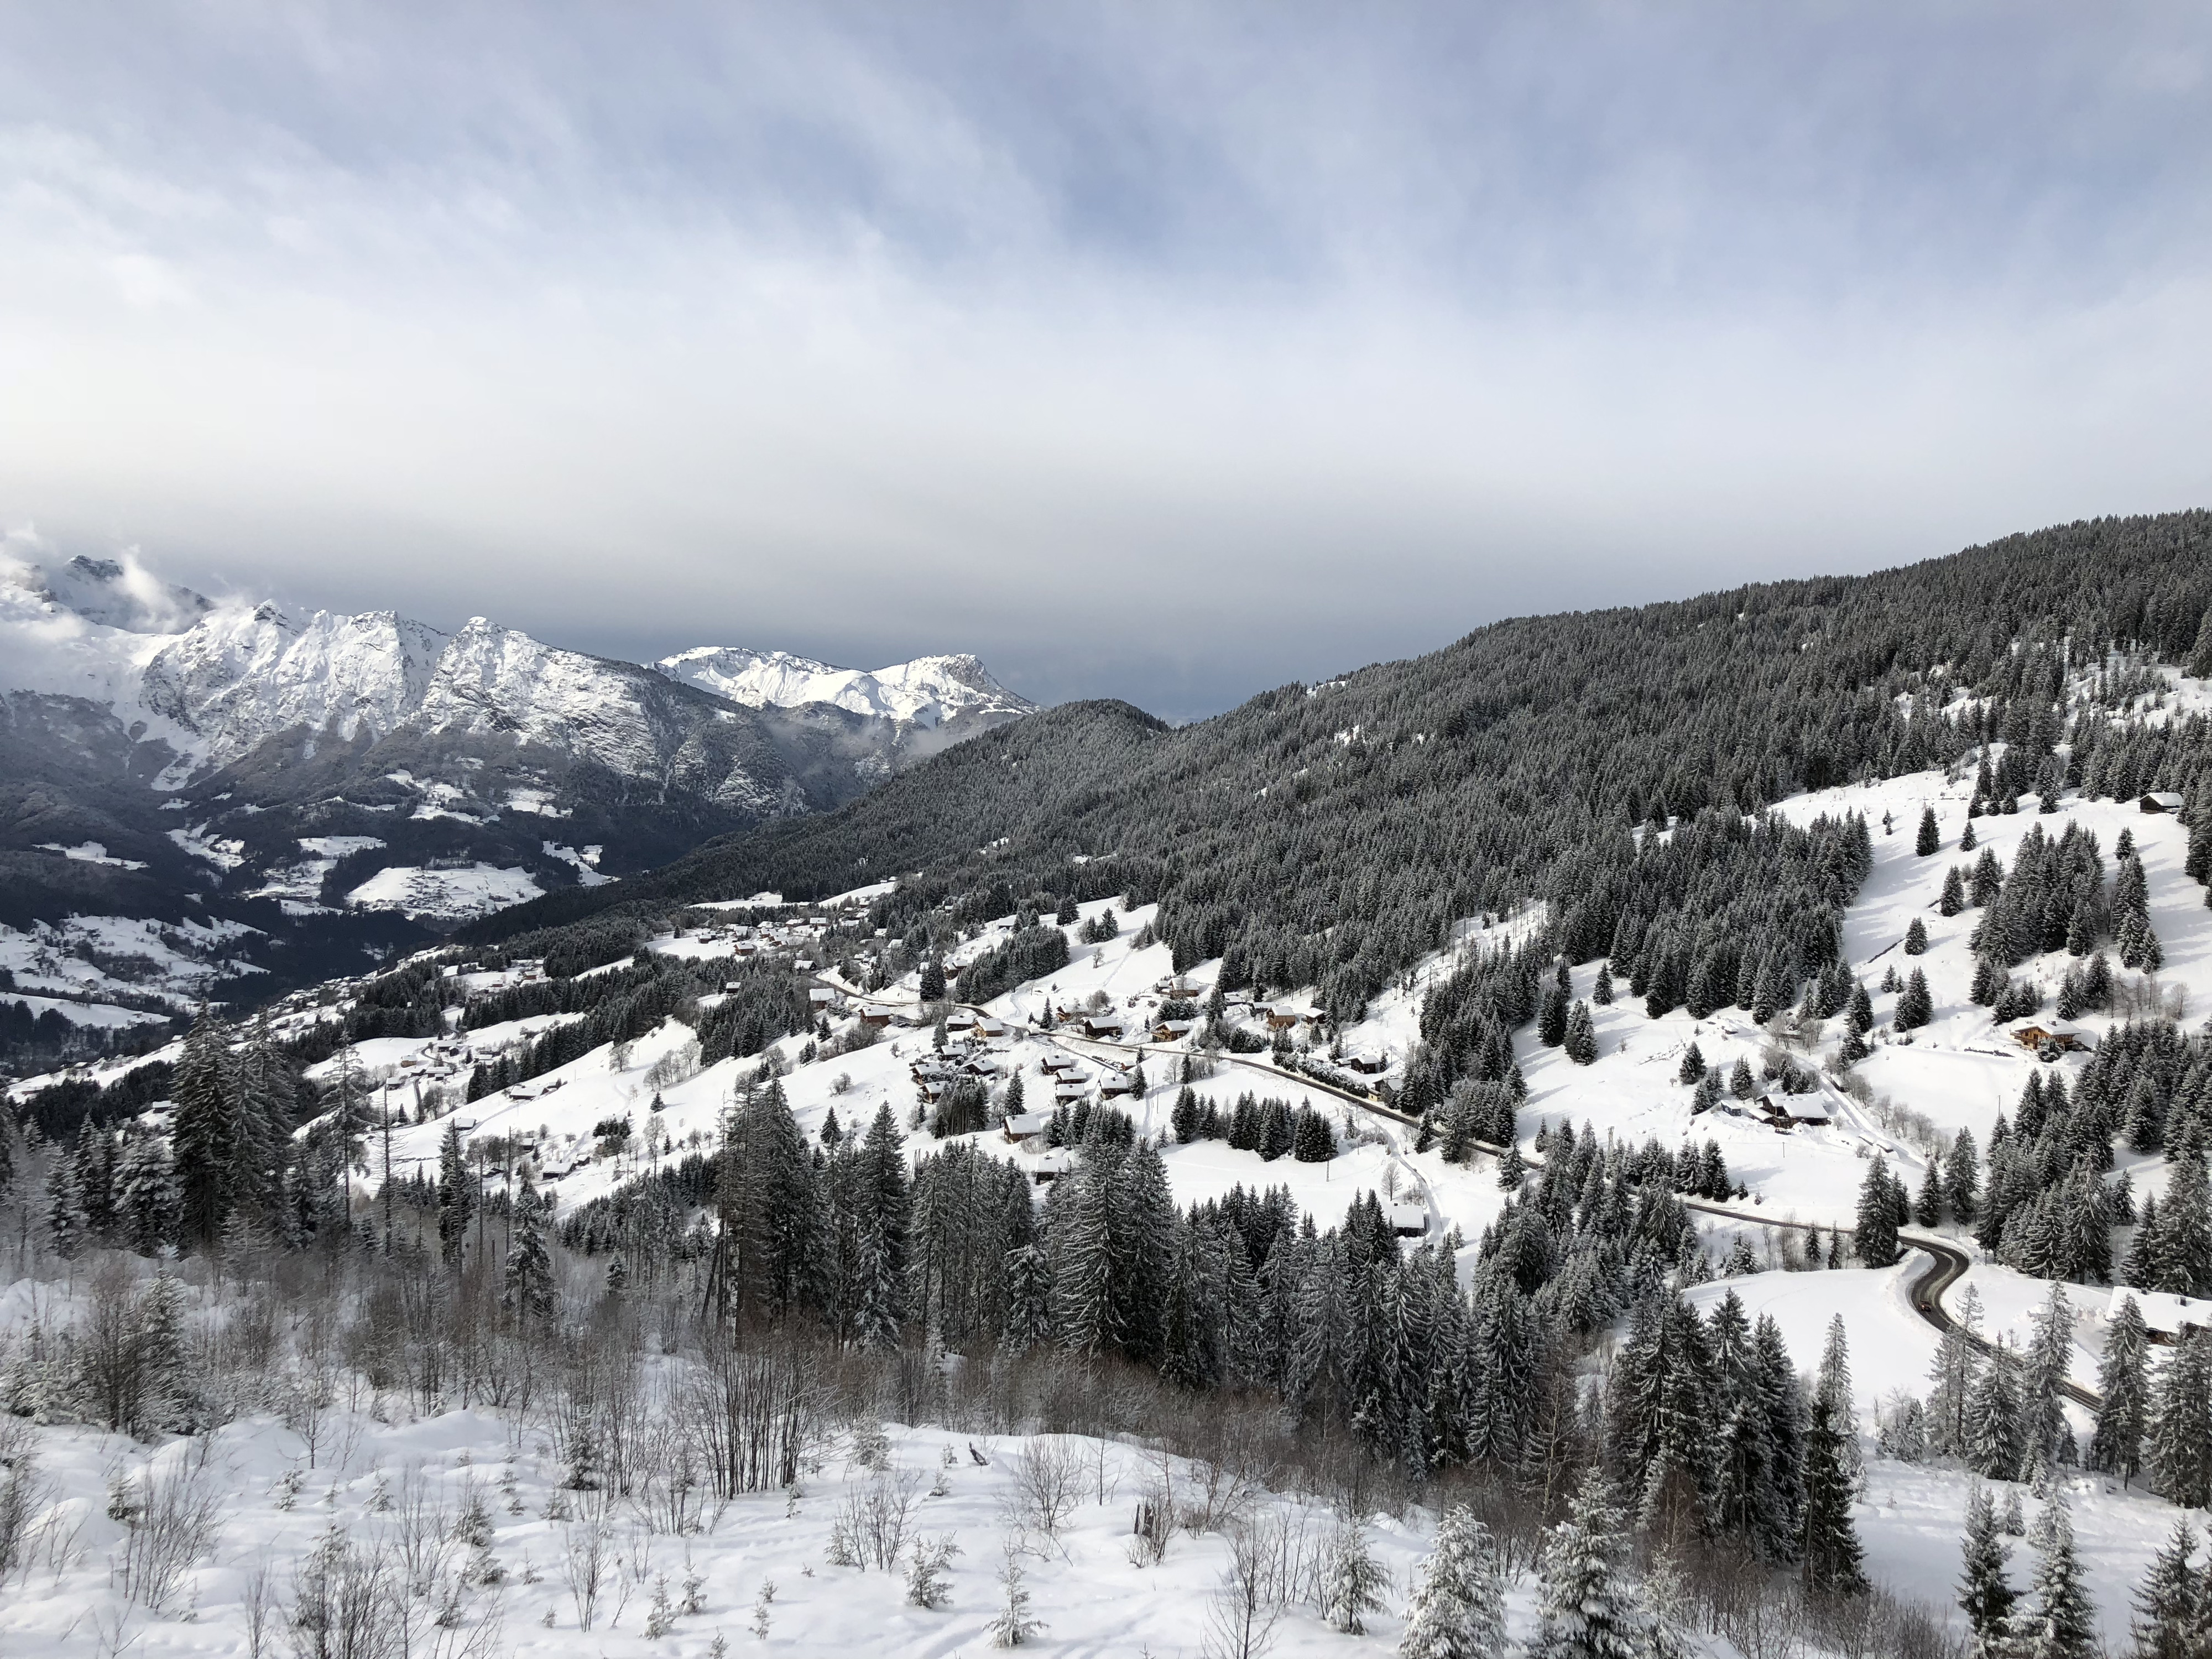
column 1167, row 352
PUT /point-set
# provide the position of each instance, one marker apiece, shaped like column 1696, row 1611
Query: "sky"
column 1166, row 352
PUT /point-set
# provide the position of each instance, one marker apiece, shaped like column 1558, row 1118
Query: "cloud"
column 1145, row 351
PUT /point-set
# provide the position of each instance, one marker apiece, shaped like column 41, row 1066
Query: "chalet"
column 1280, row 1020
column 1102, row 1025
column 877, row 1017
column 2160, row 801
column 2049, row 1045
column 1370, row 1064
column 1118, row 1083
column 1070, row 1091
column 821, row 996
column 1810, row 1111
column 1173, row 1031
column 1020, row 1126
column 1049, row 1167
column 1409, row 1220
column 959, row 1024
column 990, row 1029
column 2170, row 1317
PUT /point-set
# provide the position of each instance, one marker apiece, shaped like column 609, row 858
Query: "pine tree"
column 1580, row 1039
column 1915, row 938
column 1585, row 1610
column 2178, row 1450
column 2049, row 1354
column 65, row 1221
column 1029, row 1299
column 1996, row 1443
column 1986, row 1595
column 1693, row 1068
column 203, row 1132
column 1929, row 838
column 1876, row 1234
column 1354, row 1583
column 457, row 1195
column 528, row 1291
column 1962, row 1176
column 2169, row 1602
column 2123, row 1380
column 1954, row 898
column 1915, row 1006
column 2063, row 1623
column 145, row 1196
column 1834, row 1564
column 1928, row 1207
column 1552, row 1018
column 1082, row 1303
column 933, row 981
column 1458, row 1608
column 2200, row 656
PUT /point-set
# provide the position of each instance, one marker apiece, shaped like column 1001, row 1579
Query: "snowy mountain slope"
column 927, row 691
column 1908, row 1513
column 214, row 747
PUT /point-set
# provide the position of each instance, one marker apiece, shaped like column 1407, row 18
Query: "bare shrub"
column 873, row 1518
column 1240, row 1619
column 22, row 1492
column 1046, row 1486
column 175, row 1523
column 588, row 1566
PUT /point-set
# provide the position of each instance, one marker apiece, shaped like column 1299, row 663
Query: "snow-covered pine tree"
column 1749, row 1502
column 1929, row 1209
column 1996, row 1440
column 1876, row 1234
column 1083, row 1304
column 1985, row 1594
column 2169, row 1602
column 1915, row 938
column 204, row 1131
column 2123, row 1380
column 458, row 1195
column 1355, row 1582
column 1915, row 1006
column 528, row 1290
column 1693, row 1068
column 1580, row 1039
column 1953, row 1372
column 1584, row 1610
column 2178, row 1450
column 1834, row 1562
column 1458, row 1606
column 2048, row 1353
column 2063, row 1624
column 1929, row 837
column 1962, row 1176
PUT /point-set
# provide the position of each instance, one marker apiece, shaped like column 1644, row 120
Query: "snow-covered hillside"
column 1913, row 1091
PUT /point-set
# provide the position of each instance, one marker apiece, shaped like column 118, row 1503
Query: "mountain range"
column 332, row 781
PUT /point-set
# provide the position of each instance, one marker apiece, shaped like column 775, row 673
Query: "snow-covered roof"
column 2163, row 1311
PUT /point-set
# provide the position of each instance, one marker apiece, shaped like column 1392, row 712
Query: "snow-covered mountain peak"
column 926, row 691
column 119, row 594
